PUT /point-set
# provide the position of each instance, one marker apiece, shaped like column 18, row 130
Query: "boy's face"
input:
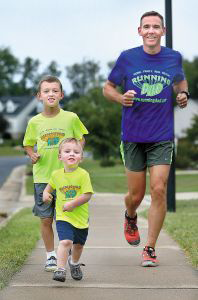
column 71, row 154
column 151, row 30
column 50, row 93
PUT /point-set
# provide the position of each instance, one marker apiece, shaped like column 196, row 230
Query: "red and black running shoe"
column 131, row 230
column 149, row 259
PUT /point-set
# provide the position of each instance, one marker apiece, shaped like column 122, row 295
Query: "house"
column 17, row 111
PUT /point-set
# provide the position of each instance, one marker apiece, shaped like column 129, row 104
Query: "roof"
column 13, row 105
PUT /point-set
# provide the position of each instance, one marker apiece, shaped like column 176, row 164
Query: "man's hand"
column 68, row 206
column 34, row 157
column 47, row 197
column 127, row 98
column 182, row 100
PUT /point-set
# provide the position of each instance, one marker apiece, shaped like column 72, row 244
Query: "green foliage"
column 102, row 119
column 191, row 72
column 17, row 239
column 187, row 149
column 84, row 76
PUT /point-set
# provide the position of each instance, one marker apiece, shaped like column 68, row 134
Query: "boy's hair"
column 152, row 13
column 49, row 78
column 69, row 140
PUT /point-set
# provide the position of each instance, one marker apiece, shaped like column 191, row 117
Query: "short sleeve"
column 179, row 74
column 78, row 128
column 30, row 138
column 86, row 186
column 117, row 74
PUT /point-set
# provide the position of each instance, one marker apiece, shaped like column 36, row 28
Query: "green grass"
column 182, row 227
column 17, row 239
column 10, row 151
column 113, row 179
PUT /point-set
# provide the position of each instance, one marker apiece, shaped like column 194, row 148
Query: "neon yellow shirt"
column 68, row 186
column 47, row 133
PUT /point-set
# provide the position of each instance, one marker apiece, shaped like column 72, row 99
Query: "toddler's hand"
column 68, row 207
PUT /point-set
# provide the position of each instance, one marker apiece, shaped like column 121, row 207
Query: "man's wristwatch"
column 187, row 94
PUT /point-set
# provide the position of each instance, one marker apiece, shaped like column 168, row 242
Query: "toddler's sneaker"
column 51, row 264
column 76, row 272
column 131, row 231
column 59, row 275
column 149, row 259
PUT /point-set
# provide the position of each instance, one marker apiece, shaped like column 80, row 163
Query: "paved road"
column 7, row 163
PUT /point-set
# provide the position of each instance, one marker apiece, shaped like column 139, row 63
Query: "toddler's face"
column 71, row 153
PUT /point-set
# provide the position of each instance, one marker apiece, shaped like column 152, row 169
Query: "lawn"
column 17, row 239
column 113, row 180
column 182, row 227
column 11, row 151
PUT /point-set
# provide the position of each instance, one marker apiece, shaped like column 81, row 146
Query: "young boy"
column 74, row 190
column 46, row 130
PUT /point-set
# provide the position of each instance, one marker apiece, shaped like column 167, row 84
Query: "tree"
column 84, row 76
column 191, row 72
column 9, row 68
column 102, row 119
column 4, row 125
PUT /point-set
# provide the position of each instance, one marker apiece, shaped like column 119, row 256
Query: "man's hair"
column 152, row 13
column 49, row 78
column 69, row 140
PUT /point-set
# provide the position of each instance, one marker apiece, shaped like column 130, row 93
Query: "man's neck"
column 152, row 50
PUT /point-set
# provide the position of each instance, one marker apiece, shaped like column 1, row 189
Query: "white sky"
column 69, row 31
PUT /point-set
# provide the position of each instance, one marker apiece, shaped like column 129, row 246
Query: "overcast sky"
column 69, row 31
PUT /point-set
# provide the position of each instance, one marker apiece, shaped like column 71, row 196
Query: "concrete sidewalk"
column 112, row 268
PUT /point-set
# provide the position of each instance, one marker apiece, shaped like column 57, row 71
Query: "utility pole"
column 171, row 202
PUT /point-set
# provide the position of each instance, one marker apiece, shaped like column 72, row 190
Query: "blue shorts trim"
column 67, row 231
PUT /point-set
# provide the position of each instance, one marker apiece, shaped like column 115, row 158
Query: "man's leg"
column 158, row 189
column 157, row 211
column 136, row 190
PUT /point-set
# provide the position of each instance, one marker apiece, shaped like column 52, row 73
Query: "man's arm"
column 111, row 93
column 34, row 156
column 181, row 98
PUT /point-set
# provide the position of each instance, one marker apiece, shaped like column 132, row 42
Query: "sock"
column 51, row 253
column 72, row 263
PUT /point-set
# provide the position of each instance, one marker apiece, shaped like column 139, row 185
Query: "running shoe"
column 149, row 259
column 131, row 231
column 51, row 264
column 76, row 272
column 59, row 275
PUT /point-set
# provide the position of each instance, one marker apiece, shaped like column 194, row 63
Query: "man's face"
column 151, row 30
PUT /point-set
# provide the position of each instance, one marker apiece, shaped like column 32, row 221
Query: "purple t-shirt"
column 150, row 119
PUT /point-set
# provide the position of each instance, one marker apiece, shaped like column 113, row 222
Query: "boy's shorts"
column 139, row 156
column 41, row 209
column 67, row 231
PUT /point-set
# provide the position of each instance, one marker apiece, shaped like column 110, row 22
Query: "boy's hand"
column 35, row 157
column 47, row 197
column 68, row 206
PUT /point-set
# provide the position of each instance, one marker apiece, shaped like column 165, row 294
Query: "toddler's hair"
column 69, row 140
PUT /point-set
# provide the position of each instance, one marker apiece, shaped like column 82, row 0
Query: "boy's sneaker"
column 149, row 259
column 76, row 272
column 51, row 264
column 59, row 275
column 131, row 231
